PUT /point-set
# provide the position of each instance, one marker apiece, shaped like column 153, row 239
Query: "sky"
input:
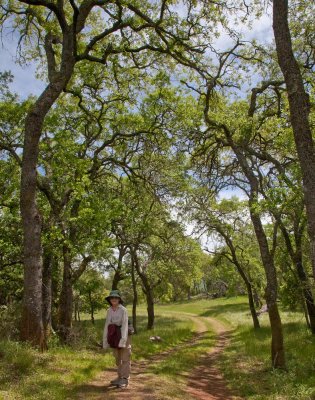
column 26, row 83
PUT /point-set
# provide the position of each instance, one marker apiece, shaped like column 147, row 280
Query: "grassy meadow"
column 246, row 361
column 58, row 373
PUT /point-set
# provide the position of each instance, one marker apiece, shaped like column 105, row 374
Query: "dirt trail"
column 204, row 382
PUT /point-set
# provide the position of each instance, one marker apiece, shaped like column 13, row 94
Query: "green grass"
column 59, row 373
column 179, row 363
column 172, row 331
column 246, row 361
column 27, row 374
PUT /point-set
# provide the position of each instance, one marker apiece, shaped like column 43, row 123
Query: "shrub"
column 10, row 321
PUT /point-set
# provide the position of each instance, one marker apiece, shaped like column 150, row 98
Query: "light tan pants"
column 122, row 357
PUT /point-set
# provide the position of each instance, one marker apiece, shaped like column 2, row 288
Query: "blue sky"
column 25, row 82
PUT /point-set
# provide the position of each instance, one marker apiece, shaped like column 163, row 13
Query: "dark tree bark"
column 277, row 346
column 271, row 292
column 243, row 275
column 135, row 296
column 150, row 308
column 66, row 297
column 55, row 298
column 299, row 112
column 297, row 260
column 119, row 276
column 116, row 279
column 32, row 328
column 91, row 308
column 252, row 305
column 148, row 291
column 76, row 303
column 307, row 293
column 47, row 291
column 76, row 308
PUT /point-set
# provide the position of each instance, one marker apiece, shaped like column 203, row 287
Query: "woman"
column 117, row 314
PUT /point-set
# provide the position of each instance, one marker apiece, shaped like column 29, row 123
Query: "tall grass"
column 246, row 362
column 57, row 374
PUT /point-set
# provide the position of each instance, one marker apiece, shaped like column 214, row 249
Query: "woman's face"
column 114, row 301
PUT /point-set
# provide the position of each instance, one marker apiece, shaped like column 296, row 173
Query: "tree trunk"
column 66, row 298
column 296, row 258
column 299, row 112
column 75, row 303
column 32, row 328
column 252, row 306
column 277, row 347
column 116, row 280
column 118, row 276
column 307, row 293
column 250, row 296
column 91, row 308
column 148, row 291
column 135, row 296
column 308, row 324
column 278, row 357
column 150, row 310
column 47, row 291
column 242, row 273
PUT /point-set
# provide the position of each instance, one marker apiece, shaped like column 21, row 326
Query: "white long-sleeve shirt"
column 117, row 317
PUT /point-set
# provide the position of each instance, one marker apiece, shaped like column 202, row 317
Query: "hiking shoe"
column 123, row 382
column 115, row 381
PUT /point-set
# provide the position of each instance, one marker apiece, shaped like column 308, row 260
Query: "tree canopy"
column 170, row 153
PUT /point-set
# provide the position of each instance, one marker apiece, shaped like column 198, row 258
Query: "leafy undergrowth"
column 57, row 374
